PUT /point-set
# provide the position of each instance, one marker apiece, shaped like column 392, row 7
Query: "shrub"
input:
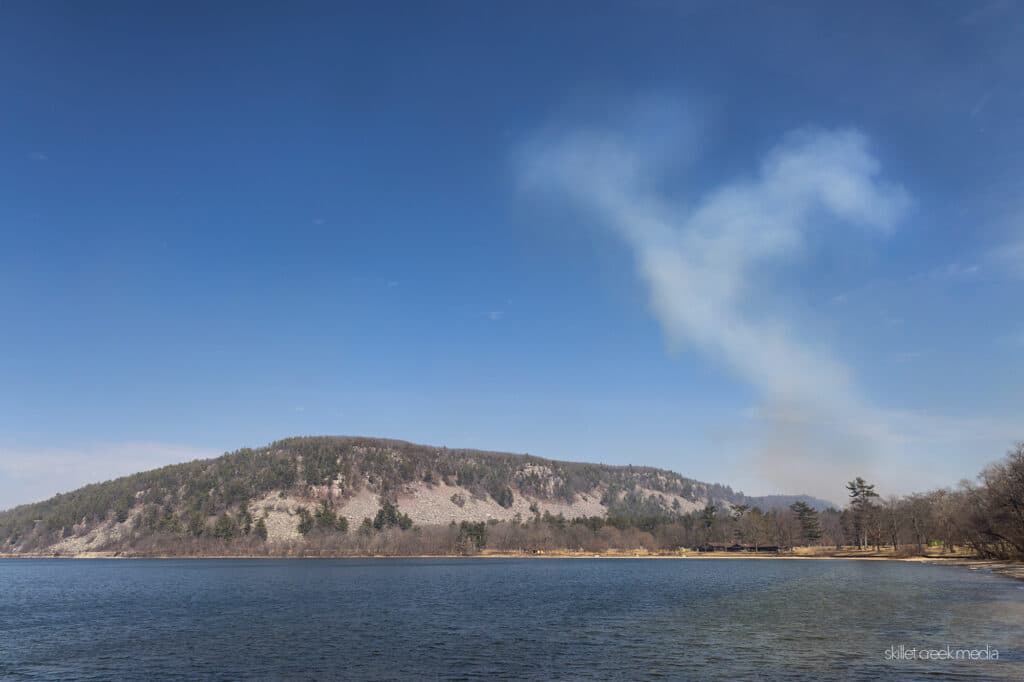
column 306, row 521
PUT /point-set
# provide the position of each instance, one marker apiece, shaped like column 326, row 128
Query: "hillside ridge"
column 283, row 490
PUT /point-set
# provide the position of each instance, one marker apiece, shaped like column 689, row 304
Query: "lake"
column 532, row 618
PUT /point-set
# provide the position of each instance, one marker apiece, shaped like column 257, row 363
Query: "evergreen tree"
column 737, row 516
column 306, row 521
column 196, row 524
column 245, row 519
column 225, row 528
column 388, row 516
column 861, row 505
column 808, row 518
column 261, row 529
column 325, row 517
column 708, row 515
column 707, row 519
column 473, row 535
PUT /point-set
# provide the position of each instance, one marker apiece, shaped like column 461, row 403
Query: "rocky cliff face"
column 349, row 477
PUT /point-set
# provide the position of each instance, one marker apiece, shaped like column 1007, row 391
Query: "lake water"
column 466, row 618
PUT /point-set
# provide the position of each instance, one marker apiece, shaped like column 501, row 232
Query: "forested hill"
column 280, row 492
column 770, row 502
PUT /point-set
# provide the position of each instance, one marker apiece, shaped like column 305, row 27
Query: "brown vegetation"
column 220, row 508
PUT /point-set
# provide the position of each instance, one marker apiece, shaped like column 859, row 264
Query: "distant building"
column 737, row 547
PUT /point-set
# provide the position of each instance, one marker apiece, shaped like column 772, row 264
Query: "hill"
column 777, row 502
column 306, row 491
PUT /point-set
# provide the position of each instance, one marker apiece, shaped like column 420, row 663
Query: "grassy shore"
column 1012, row 569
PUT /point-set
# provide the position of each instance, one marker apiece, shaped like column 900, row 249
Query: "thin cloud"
column 949, row 271
column 701, row 262
column 959, row 270
column 30, row 474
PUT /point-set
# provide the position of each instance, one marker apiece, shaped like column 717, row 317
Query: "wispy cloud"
column 494, row 315
column 29, row 474
column 38, row 156
column 948, row 271
column 699, row 263
column 960, row 269
column 703, row 262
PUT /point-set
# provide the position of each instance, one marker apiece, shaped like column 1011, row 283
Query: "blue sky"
column 771, row 246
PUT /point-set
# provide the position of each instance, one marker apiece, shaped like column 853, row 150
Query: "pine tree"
column 473, row 534
column 225, row 528
column 245, row 519
column 808, row 517
column 861, row 493
column 325, row 517
column 707, row 517
column 306, row 521
column 737, row 515
column 388, row 516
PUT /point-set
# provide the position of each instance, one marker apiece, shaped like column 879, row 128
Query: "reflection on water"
column 724, row 619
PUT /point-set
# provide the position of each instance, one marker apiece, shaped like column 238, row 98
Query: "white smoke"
column 703, row 262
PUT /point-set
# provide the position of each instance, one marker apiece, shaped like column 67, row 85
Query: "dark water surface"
column 464, row 618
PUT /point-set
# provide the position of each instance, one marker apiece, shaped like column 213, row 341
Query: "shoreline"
column 1010, row 569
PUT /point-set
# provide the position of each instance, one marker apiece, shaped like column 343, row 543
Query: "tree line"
column 985, row 517
column 186, row 498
